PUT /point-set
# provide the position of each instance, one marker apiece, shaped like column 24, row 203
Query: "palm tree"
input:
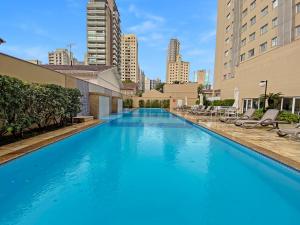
column 273, row 99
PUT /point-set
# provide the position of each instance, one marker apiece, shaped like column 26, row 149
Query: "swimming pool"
column 148, row 167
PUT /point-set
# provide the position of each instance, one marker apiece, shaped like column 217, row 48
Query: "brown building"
column 201, row 77
column 258, row 40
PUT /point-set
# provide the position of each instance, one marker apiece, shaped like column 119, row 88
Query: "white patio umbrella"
column 185, row 101
column 236, row 98
column 179, row 103
column 201, row 100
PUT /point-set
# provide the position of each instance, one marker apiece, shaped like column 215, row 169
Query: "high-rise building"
column 258, row 41
column 201, row 76
column 178, row 71
column 129, row 58
column 59, row 57
column 173, row 50
column 103, row 33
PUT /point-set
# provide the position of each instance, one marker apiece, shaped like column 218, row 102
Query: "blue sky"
column 32, row 28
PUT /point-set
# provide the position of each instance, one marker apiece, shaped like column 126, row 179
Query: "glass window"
column 298, row 8
column 297, row 105
column 253, row 20
column 243, row 42
column 275, row 22
column 244, row 27
column 297, row 31
column 252, row 37
column 251, row 53
column 253, row 5
column 287, row 104
column 264, row 11
column 243, row 57
column 275, row 3
column 274, row 41
column 263, row 47
column 264, row 29
column 255, row 102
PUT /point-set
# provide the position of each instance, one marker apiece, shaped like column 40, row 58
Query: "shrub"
column 142, row 103
column 258, row 114
column 225, row 102
column 155, row 104
column 288, row 117
column 165, row 104
column 128, row 103
column 148, row 104
column 23, row 105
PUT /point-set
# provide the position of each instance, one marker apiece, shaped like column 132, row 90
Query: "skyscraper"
column 129, row 58
column 103, row 33
column 174, row 49
column 258, row 41
column 177, row 70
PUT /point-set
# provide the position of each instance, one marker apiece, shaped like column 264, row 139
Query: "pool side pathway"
column 14, row 150
column 284, row 150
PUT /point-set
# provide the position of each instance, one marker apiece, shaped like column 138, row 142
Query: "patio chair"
column 269, row 118
column 294, row 132
column 232, row 119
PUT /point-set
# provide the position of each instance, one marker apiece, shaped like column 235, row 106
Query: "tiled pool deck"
column 20, row 148
column 284, row 150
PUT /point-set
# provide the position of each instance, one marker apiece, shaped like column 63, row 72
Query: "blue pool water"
column 148, row 168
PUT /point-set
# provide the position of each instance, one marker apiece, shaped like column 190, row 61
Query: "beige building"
column 201, row 77
column 35, row 61
column 60, row 56
column 258, row 40
column 129, row 58
column 100, row 86
column 178, row 71
column 103, row 33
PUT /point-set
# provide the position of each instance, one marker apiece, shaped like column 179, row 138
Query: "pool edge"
column 294, row 165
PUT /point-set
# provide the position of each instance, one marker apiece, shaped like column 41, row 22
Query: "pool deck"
column 262, row 140
column 17, row 149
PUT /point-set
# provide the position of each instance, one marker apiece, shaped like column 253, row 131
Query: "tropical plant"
column 165, row 104
column 288, row 117
column 160, row 87
column 225, row 102
column 148, row 104
column 274, row 99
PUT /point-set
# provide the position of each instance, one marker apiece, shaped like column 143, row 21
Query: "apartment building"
column 60, row 56
column 103, row 33
column 178, row 71
column 129, row 58
column 201, row 77
column 173, row 50
column 258, row 40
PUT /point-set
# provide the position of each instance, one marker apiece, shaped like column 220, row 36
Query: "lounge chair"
column 205, row 112
column 269, row 118
column 232, row 119
column 294, row 132
column 196, row 109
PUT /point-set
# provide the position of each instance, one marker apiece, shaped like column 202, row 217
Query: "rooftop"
column 94, row 68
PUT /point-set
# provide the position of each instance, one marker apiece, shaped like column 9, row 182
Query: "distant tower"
column 174, row 49
column 103, row 33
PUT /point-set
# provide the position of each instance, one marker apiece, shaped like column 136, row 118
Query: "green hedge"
column 154, row 104
column 225, row 102
column 24, row 105
column 128, row 103
column 283, row 116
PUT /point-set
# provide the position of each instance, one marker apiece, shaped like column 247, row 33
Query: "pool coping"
column 37, row 142
column 256, row 148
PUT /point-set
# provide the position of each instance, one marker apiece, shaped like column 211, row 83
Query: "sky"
column 32, row 28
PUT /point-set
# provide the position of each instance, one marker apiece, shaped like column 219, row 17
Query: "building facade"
column 201, row 77
column 60, row 56
column 173, row 50
column 178, row 71
column 103, row 33
column 129, row 58
column 258, row 41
